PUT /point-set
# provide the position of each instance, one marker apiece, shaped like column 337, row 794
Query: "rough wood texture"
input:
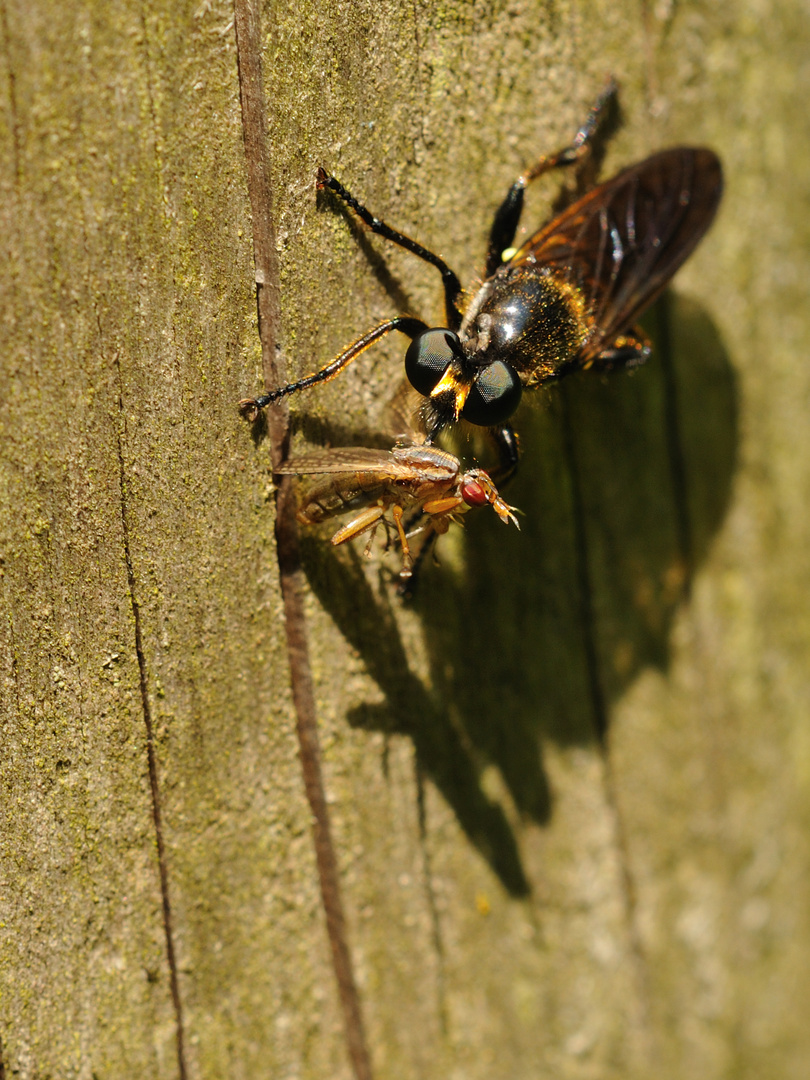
column 569, row 786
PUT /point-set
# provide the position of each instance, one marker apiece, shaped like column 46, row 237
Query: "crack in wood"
column 601, row 719
column 248, row 54
column 151, row 758
column 433, row 907
column 15, row 673
column 674, row 442
column 584, row 583
column 601, row 729
column 629, row 896
column 12, row 97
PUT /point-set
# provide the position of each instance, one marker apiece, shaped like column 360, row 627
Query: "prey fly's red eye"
column 473, row 493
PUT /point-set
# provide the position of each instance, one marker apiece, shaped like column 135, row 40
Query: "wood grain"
column 569, row 785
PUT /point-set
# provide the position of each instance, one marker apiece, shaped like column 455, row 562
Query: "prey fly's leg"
column 367, row 519
column 450, row 282
column 249, row 407
column 407, row 559
column 507, row 216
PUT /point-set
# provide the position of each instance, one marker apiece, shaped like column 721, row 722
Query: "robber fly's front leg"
column 249, row 407
column 450, row 281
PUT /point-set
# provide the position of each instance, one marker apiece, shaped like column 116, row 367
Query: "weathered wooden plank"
column 569, row 785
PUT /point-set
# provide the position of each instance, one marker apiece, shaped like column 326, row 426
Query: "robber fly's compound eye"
column 428, row 357
column 494, row 395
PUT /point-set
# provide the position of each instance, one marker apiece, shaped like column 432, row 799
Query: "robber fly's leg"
column 507, row 216
column 408, row 583
column 580, row 144
column 452, row 286
column 507, row 448
column 249, row 407
column 628, row 350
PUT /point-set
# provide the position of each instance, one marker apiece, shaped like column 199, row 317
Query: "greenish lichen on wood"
column 523, row 901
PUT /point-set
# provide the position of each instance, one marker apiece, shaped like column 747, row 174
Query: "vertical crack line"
column 254, row 133
column 150, row 741
column 599, row 708
column 629, row 893
column 435, row 922
column 12, row 98
column 310, row 754
column 268, row 301
column 156, row 136
column 584, row 584
column 677, row 463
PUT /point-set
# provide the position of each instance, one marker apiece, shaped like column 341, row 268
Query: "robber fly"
column 422, row 482
column 566, row 299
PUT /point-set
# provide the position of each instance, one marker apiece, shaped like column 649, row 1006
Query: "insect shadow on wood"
column 534, row 636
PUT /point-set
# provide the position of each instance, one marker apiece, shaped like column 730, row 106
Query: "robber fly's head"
column 458, row 387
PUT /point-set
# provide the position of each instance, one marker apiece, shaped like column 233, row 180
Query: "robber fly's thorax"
column 528, row 317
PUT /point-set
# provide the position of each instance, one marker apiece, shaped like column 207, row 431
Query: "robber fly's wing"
column 343, row 459
column 622, row 242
